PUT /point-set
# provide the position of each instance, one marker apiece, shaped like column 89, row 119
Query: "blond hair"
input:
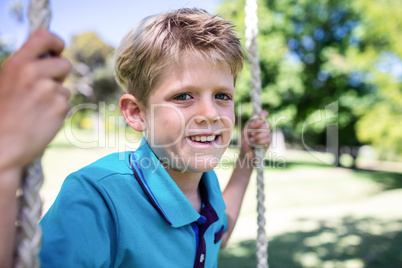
column 161, row 40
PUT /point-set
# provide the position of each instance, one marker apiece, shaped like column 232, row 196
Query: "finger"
column 65, row 92
column 40, row 43
column 258, row 137
column 58, row 90
column 62, row 101
column 265, row 143
column 259, row 126
column 264, row 114
column 262, row 141
column 45, row 92
column 251, row 134
column 257, row 122
column 55, row 68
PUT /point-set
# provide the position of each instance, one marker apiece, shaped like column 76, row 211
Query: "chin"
column 202, row 164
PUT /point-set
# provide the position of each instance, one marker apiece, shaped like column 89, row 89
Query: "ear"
column 132, row 111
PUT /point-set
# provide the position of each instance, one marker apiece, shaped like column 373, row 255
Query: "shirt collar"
column 166, row 195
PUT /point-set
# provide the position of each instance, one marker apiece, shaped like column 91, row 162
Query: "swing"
column 251, row 21
column 29, row 233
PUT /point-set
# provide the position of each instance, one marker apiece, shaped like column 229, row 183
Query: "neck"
column 188, row 183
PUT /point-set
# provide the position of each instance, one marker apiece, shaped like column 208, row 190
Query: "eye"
column 182, row 97
column 222, row 96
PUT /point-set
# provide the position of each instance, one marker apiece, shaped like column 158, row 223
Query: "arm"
column 79, row 229
column 9, row 182
column 255, row 133
column 33, row 104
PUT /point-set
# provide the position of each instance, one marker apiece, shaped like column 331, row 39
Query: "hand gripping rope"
column 251, row 21
column 29, row 233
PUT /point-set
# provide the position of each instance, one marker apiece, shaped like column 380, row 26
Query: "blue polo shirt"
column 124, row 210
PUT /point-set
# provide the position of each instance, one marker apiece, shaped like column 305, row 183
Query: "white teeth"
column 203, row 138
column 211, row 138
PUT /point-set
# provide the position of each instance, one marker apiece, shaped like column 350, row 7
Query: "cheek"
column 165, row 119
column 228, row 118
column 166, row 114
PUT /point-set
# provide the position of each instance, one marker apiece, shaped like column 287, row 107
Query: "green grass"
column 317, row 215
column 341, row 242
column 322, row 216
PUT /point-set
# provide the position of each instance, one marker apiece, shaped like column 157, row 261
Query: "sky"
column 110, row 19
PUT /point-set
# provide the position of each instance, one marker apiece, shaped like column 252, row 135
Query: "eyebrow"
column 195, row 88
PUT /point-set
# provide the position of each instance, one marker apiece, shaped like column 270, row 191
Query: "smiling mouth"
column 204, row 139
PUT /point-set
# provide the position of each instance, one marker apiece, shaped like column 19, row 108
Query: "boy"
column 161, row 206
column 33, row 105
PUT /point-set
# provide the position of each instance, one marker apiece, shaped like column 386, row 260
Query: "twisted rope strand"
column 251, row 21
column 29, row 233
column 39, row 15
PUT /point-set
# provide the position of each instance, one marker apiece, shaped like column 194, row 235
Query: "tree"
column 92, row 79
column 381, row 47
column 310, row 53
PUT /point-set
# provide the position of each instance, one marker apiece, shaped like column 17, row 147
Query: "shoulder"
column 111, row 165
column 110, row 171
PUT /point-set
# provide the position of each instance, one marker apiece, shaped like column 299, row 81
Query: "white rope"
column 251, row 21
column 29, row 234
column 39, row 15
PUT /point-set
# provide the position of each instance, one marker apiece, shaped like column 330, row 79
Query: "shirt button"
column 202, row 257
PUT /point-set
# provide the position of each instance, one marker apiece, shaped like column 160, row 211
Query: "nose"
column 207, row 112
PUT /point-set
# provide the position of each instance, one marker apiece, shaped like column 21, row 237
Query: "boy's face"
column 190, row 115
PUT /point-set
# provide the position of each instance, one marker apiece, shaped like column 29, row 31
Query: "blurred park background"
column 332, row 82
